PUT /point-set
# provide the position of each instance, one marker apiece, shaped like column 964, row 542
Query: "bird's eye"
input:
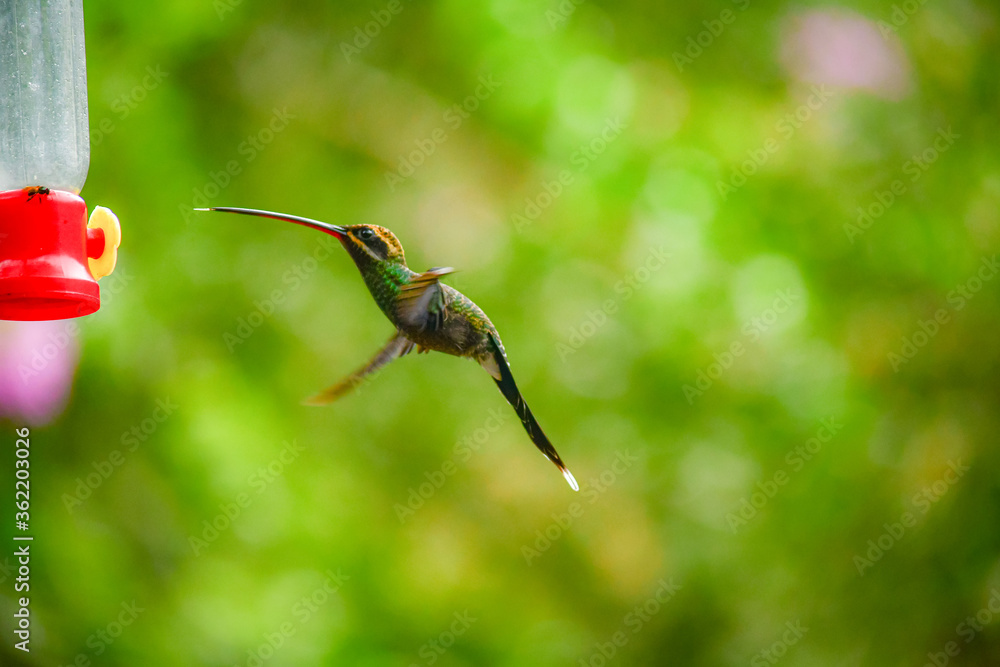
column 366, row 234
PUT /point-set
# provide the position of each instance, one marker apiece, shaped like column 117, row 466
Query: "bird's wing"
column 398, row 346
column 496, row 365
column 421, row 302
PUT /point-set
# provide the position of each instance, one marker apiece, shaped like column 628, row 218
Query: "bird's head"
column 367, row 243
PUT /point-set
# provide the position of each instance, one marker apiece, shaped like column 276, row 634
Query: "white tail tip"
column 572, row 480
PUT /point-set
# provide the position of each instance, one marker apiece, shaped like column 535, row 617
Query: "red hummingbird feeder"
column 50, row 255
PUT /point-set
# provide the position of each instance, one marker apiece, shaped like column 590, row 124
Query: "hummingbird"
column 427, row 314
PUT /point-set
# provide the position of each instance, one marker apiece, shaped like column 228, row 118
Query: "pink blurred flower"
column 846, row 50
column 37, row 363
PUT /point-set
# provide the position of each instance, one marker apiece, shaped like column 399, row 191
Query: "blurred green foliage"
column 731, row 489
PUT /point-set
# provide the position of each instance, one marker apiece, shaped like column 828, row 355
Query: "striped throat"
column 379, row 257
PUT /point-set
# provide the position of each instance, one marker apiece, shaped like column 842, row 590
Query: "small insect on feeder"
column 50, row 255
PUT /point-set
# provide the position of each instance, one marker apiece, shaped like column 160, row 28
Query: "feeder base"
column 43, row 257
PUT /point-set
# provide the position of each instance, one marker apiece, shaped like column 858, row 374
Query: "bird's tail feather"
column 510, row 391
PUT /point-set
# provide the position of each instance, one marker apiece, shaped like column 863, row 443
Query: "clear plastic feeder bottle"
column 49, row 257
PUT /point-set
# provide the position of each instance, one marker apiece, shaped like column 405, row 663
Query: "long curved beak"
column 334, row 230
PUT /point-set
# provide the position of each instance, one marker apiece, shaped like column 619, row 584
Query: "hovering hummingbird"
column 427, row 314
